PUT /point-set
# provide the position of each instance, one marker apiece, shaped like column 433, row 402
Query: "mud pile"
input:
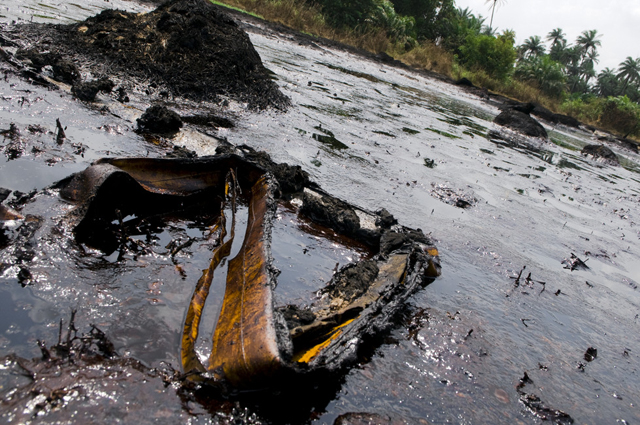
column 188, row 47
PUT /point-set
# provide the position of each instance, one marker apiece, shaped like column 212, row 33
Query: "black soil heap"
column 189, row 46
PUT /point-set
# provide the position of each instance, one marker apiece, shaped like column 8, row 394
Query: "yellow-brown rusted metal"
column 7, row 214
column 336, row 316
column 245, row 349
column 190, row 360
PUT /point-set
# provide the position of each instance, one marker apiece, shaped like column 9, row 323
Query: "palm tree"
column 560, row 52
column 493, row 8
column 587, row 70
column 510, row 35
column 608, row 83
column 589, row 40
column 556, row 36
column 573, row 66
column 488, row 31
column 542, row 72
column 532, row 46
column 629, row 71
column 464, row 14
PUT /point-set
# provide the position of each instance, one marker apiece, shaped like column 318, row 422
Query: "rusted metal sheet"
column 190, row 361
column 252, row 343
column 245, row 349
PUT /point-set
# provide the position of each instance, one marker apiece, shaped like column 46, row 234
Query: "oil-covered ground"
column 516, row 330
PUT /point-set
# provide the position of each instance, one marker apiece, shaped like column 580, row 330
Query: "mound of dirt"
column 188, row 46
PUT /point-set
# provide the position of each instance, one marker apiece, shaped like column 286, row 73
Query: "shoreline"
column 253, row 24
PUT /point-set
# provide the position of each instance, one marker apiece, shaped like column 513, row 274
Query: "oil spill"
column 463, row 121
column 330, row 141
column 410, row 130
column 443, row 133
column 384, row 133
column 307, row 256
column 357, row 74
column 482, row 248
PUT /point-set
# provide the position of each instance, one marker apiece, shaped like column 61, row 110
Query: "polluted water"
column 534, row 317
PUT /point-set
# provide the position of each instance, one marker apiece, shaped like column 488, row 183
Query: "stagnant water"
column 469, row 337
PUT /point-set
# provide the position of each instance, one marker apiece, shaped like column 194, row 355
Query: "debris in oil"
column 356, row 305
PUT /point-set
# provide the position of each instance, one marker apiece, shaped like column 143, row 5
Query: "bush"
column 495, row 55
column 585, row 110
column 401, row 28
column 347, row 13
column 620, row 114
column 544, row 73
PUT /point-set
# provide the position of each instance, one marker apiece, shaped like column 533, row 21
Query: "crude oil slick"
column 501, row 336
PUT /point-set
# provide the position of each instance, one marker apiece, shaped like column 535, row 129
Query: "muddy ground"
column 437, row 353
column 183, row 48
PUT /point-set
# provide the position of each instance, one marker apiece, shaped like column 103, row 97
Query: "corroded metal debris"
column 253, row 341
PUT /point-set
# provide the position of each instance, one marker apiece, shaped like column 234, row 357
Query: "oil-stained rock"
column 591, row 354
column 87, row 91
column 521, row 122
column 385, row 219
column 159, row 119
column 291, row 178
column 331, row 212
column 601, row 153
column 392, row 241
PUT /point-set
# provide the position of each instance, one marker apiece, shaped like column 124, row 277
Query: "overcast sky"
column 618, row 22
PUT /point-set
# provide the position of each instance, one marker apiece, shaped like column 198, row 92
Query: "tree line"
column 562, row 71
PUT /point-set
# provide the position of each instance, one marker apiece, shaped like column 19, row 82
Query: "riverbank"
column 546, row 110
column 307, row 19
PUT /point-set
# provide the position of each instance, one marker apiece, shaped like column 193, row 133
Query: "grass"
column 307, row 18
column 237, row 9
column 428, row 56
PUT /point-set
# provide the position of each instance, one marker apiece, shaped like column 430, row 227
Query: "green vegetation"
column 493, row 55
column 238, row 9
column 437, row 36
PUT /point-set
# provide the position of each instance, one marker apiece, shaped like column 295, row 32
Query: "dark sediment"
column 291, row 178
column 296, row 316
column 87, row 91
column 353, row 280
column 189, row 47
column 361, row 418
column 63, row 70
